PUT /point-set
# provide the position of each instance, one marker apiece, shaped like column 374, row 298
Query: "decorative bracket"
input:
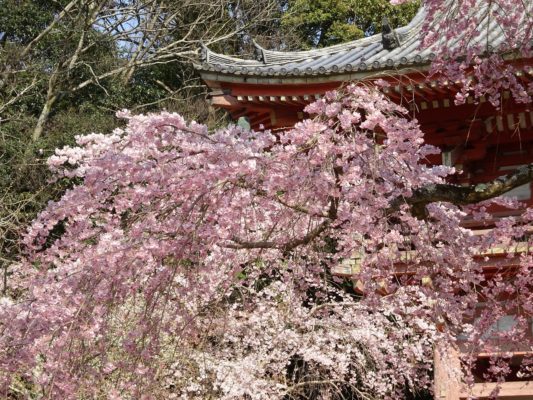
column 389, row 37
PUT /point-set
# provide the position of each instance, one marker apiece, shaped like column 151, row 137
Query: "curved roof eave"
column 359, row 58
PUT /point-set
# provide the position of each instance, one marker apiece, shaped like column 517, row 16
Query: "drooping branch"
column 285, row 246
column 463, row 195
column 293, row 243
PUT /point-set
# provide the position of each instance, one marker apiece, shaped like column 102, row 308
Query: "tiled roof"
column 368, row 54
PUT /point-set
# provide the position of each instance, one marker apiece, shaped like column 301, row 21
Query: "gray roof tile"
column 365, row 54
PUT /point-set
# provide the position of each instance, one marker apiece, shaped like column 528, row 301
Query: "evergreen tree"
column 321, row 23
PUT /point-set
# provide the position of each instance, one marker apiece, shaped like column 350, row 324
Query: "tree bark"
column 51, row 97
column 463, row 195
column 43, row 118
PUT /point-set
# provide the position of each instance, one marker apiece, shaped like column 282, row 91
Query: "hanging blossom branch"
column 287, row 246
column 418, row 201
column 294, row 243
column 460, row 33
column 195, row 263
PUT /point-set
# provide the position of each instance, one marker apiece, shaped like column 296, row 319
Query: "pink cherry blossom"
column 191, row 264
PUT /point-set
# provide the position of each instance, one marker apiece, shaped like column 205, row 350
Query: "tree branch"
column 463, row 195
column 287, row 246
column 291, row 244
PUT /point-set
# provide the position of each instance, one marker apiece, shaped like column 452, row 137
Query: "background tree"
column 136, row 33
column 66, row 67
column 322, row 23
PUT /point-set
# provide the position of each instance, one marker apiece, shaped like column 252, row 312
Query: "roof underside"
column 360, row 56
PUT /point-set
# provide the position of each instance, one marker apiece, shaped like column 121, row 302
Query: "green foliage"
column 321, row 23
column 22, row 20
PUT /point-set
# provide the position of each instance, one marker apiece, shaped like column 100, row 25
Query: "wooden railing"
column 449, row 386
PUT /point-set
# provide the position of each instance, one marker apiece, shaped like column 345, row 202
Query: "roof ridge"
column 277, row 57
column 407, row 30
column 359, row 57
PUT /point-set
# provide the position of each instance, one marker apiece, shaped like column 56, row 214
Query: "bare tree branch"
column 142, row 33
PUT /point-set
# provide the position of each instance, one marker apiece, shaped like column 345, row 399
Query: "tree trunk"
column 51, row 98
column 43, row 118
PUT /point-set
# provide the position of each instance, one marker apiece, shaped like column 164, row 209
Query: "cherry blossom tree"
column 190, row 264
column 461, row 30
column 200, row 264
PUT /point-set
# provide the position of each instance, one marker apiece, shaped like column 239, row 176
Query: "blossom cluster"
column 190, row 264
column 460, row 34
